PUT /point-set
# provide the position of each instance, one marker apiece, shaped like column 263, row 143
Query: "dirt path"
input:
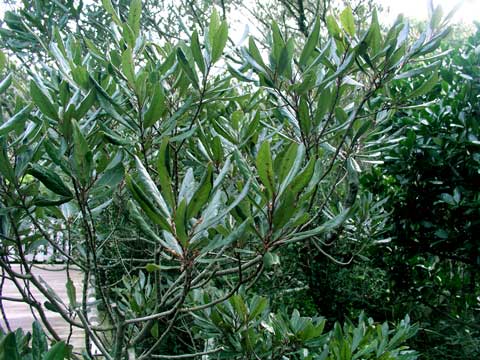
column 19, row 315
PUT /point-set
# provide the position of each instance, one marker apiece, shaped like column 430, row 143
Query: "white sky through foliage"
column 415, row 9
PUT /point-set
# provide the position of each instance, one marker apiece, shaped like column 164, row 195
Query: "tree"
column 187, row 174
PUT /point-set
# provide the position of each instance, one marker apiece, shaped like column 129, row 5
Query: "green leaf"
column 333, row 27
column 270, row 259
column 15, row 121
column 108, row 6
column 5, row 84
column 8, row 348
column 3, row 61
column 156, row 108
column 347, row 20
column 41, row 99
column 181, row 222
column 146, row 204
column 163, row 167
column 39, row 341
column 311, row 43
column 82, row 155
column 71, row 292
column 212, row 29
column 152, row 189
column 436, row 17
column 59, row 351
column 187, row 69
column 304, row 117
column 283, row 61
column 140, row 222
column 219, row 42
column 265, row 167
column 425, row 87
column 134, row 16
column 374, row 36
column 255, row 53
column 201, row 196
column 197, row 52
column 239, row 306
column 128, row 67
column 50, row 179
column 278, row 43
column 152, row 267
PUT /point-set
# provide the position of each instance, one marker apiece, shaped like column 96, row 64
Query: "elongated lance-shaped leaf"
column 50, row 179
column 297, row 164
column 146, row 204
column 39, row 341
column 325, row 227
column 181, row 224
column 82, row 155
column 163, row 168
column 310, row 45
column 201, row 196
column 187, row 68
column 71, row 292
column 347, row 20
column 143, row 225
column 156, row 107
column 5, row 83
column 197, row 52
column 41, row 99
column 425, row 87
column 16, row 120
column 152, row 189
column 265, row 167
column 134, row 16
column 219, row 41
column 217, row 219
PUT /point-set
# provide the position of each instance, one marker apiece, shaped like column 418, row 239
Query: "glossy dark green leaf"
column 146, row 204
column 41, row 99
column 310, row 45
column 181, row 223
column 197, row 52
column 8, row 348
column 202, row 194
column 39, row 341
column 50, row 179
column 187, row 68
column 59, row 351
column 163, row 167
column 15, row 121
column 156, row 108
column 265, row 167
column 82, row 155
